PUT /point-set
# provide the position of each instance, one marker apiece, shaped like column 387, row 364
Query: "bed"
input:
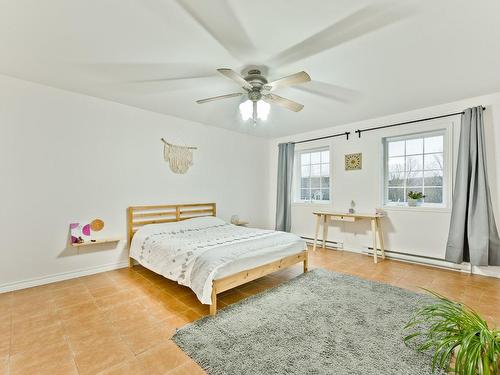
column 188, row 244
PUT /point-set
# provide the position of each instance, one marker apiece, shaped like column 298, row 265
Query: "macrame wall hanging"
column 180, row 158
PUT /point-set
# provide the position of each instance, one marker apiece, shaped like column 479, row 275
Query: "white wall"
column 417, row 231
column 66, row 157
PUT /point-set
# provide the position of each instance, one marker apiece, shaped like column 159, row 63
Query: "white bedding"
column 194, row 252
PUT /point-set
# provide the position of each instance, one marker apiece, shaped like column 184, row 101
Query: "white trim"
column 311, row 203
column 428, row 208
column 438, row 263
column 485, row 271
column 446, row 129
column 335, row 245
column 297, row 174
column 421, row 260
column 29, row 283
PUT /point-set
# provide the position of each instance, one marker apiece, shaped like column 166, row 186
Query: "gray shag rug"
column 318, row 323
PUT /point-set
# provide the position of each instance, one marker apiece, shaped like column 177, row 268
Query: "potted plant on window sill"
column 415, row 198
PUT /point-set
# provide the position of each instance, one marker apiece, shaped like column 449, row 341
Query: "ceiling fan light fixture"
column 246, row 110
column 256, row 87
column 263, row 109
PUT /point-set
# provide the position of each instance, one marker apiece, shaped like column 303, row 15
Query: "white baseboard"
column 28, row 283
column 491, row 271
column 329, row 244
column 420, row 260
column 439, row 263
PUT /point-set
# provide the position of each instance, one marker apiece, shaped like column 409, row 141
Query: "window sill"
column 311, row 203
column 418, row 209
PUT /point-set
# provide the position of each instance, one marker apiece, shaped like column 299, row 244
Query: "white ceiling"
column 366, row 58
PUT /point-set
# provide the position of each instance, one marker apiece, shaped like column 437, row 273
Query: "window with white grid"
column 415, row 163
column 312, row 179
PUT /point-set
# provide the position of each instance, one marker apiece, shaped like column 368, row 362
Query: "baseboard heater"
column 405, row 257
column 420, row 259
column 329, row 244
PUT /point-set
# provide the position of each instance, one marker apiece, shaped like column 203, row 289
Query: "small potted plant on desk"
column 415, row 198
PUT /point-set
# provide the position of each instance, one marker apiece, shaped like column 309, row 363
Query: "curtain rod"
column 359, row 131
column 345, row 134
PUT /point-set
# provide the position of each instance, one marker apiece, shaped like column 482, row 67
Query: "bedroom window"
column 416, row 163
column 312, row 183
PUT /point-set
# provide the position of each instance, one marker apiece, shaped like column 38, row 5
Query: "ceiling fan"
column 256, row 88
column 157, row 78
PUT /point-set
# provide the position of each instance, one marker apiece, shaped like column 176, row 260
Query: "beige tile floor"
column 120, row 322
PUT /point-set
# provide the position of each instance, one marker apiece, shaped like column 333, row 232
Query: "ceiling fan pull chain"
column 254, row 114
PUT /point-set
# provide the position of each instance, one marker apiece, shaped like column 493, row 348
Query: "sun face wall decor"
column 353, row 162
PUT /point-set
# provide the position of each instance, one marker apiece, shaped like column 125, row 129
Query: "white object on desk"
column 322, row 217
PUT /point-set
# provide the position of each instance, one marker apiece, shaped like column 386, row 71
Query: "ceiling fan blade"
column 292, row 79
column 167, row 76
column 222, row 23
column 283, row 102
column 231, row 74
column 227, row 96
column 149, row 78
column 329, row 91
column 172, row 79
column 158, row 86
column 367, row 19
column 145, row 70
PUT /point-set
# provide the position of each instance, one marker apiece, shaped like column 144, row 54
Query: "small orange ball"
column 97, row 225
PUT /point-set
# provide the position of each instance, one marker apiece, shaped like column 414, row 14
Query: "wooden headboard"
column 137, row 216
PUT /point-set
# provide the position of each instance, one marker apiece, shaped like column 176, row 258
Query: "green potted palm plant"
column 459, row 338
column 415, row 198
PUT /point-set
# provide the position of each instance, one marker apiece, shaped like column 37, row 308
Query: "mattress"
column 194, row 252
column 257, row 258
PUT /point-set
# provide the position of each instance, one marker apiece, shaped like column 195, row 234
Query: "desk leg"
column 381, row 238
column 374, row 234
column 318, row 222
column 325, row 230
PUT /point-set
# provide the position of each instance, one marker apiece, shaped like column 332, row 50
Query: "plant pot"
column 414, row 202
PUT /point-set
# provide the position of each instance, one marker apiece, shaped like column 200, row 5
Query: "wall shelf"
column 97, row 241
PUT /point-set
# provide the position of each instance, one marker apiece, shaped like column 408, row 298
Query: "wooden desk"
column 324, row 217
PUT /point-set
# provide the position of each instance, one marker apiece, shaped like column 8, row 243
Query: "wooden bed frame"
column 138, row 216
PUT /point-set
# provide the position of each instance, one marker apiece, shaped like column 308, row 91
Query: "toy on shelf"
column 82, row 233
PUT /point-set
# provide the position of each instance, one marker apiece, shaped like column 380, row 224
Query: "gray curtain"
column 473, row 235
column 284, row 195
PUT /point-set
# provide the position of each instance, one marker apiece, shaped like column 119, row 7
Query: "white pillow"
column 205, row 221
column 194, row 223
